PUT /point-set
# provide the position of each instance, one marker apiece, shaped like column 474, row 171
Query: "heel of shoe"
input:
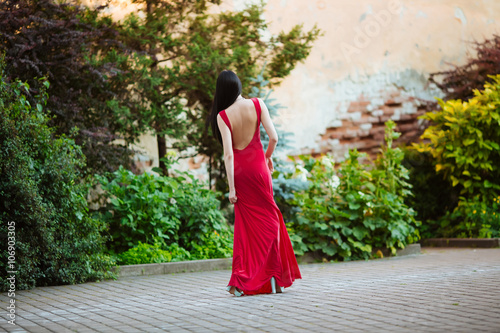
column 236, row 292
column 273, row 285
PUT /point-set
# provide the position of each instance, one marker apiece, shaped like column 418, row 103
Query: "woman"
column 263, row 258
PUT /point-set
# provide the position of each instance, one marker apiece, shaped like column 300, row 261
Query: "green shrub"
column 178, row 253
column 213, row 245
column 41, row 192
column 464, row 143
column 349, row 212
column 146, row 254
column 433, row 197
column 472, row 218
column 161, row 210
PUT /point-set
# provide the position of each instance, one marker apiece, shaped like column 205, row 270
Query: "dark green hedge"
column 56, row 242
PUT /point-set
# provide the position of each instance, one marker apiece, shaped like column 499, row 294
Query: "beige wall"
column 371, row 50
column 370, row 46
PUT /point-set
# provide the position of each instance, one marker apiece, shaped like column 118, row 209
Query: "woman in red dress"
column 263, row 257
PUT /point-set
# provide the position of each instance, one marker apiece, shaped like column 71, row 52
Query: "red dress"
column 262, row 247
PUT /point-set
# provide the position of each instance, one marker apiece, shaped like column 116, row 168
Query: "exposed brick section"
column 362, row 126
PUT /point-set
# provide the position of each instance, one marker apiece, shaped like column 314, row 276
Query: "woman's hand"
column 232, row 196
column 269, row 162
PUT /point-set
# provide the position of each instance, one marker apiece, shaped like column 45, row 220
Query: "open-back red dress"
column 262, row 247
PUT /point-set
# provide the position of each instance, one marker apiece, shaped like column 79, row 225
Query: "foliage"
column 213, row 245
column 464, row 141
column 54, row 39
column 476, row 218
column 432, row 195
column 461, row 81
column 349, row 212
column 160, row 210
column 153, row 71
column 203, row 45
column 144, row 253
column 56, row 240
column 464, row 144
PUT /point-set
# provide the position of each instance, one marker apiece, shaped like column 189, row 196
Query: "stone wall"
column 371, row 64
column 362, row 127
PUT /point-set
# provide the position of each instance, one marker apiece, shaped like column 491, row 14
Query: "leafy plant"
column 213, row 245
column 472, row 218
column 146, row 254
column 464, row 141
column 154, row 71
column 54, row 39
column 350, row 211
column 56, row 241
column 392, row 189
column 433, row 197
column 160, row 210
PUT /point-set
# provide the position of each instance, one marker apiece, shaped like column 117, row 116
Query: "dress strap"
column 226, row 119
column 256, row 102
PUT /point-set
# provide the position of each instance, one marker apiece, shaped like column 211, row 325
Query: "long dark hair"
column 227, row 90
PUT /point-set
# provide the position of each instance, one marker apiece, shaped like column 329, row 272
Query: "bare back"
column 243, row 118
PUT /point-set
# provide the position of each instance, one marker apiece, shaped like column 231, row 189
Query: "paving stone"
column 440, row 290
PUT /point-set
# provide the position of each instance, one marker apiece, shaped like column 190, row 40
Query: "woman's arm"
column 228, row 157
column 271, row 133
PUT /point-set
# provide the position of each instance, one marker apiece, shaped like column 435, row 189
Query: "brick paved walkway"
column 452, row 290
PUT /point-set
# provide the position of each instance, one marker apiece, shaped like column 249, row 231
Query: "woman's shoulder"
column 238, row 105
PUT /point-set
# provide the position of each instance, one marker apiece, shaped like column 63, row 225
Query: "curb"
column 409, row 250
column 173, row 267
column 485, row 243
column 204, row 265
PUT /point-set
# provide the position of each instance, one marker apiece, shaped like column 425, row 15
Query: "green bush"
column 464, row 143
column 213, row 245
column 433, row 197
column 349, row 212
column 161, row 210
column 56, row 242
column 146, row 254
column 472, row 218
